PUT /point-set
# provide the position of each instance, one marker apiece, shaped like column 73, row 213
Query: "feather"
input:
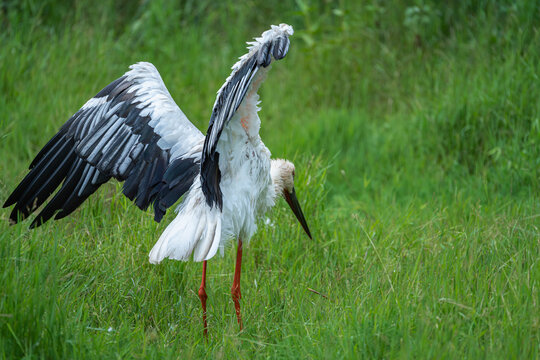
column 109, row 88
column 55, row 142
column 46, row 183
column 56, row 203
column 110, row 136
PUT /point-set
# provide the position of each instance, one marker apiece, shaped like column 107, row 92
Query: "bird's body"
column 133, row 131
column 246, row 187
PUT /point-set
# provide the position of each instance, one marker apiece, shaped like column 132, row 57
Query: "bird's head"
column 282, row 173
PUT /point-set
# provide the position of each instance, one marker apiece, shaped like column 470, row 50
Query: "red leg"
column 235, row 290
column 203, row 297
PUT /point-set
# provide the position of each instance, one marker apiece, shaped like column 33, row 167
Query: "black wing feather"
column 108, row 137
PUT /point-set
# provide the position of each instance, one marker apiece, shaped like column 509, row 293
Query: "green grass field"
column 415, row 130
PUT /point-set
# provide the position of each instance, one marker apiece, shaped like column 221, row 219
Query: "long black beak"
column 291, row 199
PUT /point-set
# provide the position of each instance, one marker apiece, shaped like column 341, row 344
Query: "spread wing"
column 132, row 131
column 239, row 89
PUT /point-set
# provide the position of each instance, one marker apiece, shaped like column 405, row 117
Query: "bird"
column 133, row 131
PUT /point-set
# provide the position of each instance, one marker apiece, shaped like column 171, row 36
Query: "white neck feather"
column 282, row 174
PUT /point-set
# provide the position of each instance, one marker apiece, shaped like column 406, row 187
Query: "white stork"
column 133, row 131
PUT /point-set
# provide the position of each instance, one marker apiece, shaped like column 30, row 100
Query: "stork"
column 133, row 131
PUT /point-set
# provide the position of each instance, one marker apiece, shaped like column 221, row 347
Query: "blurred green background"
column 414, row 125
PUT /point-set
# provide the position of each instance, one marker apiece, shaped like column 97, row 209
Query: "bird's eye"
column 293, row 174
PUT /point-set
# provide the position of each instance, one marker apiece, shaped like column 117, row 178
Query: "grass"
column 415, row 131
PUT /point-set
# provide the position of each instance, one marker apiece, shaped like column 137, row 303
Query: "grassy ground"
column 415, row 129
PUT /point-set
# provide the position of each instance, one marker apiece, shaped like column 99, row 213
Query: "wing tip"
column 278, row 38
column 10, row 201
column 283, row 28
